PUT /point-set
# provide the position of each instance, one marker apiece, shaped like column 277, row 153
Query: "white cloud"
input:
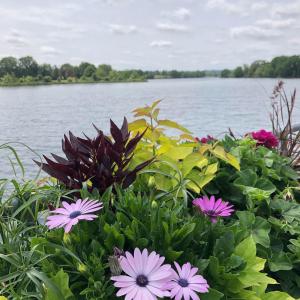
column 257, row 6
column 15, row 38
column 49, row 50
column 181, row 13
column 228, row 6
column 122, row 29
column 286, row 10
column 161, row 44
column 172, row 27
column 294, row 42
column 276, row 24
column 254, row 32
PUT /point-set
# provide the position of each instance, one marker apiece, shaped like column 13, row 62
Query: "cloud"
column 227, row 6
column 286, row 10
column 172, row 27
column 49, row 50
column 16, row 39
column 294, row 42
column 122, row 29
column 257, row 6
column 161, row 44
column 181, row 13
column 276, row 24
column 254, row 32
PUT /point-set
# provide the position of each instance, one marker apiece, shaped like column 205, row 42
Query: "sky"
column 150, row 34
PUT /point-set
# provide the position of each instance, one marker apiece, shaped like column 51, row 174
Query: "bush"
column 250, row 251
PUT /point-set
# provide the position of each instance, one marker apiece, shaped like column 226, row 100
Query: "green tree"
column 45, row 70
column 66, row 71
column 238, row 72
column 8, row 66
column 81, row 68
column 103, row 71
column 27, row 66
column 225, row 73
column 89, row 71
column 55, row 73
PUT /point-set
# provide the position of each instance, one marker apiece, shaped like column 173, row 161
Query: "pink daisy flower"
column 213, row 208
column 146, row 276
column 186, row 283
column 70, row 214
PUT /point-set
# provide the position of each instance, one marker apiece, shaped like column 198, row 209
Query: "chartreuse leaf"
column 155, row 103
column 179, row 152
column 198, row 180
column 3, row 298
column 189, row 137
column 61, row 280
column 138, row 125
column 204, row 148
column 276, row 296
column 220, row 152
column 211, row 169
column 194, row 159
column 172, row 124
column 247, row 250
column 142, row 111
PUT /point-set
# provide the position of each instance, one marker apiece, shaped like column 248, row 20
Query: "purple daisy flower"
column 185, row 283
column 213, row 208
column 70, row 214
column 146, row 277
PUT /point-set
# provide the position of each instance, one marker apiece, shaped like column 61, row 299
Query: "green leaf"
column 61, row 280
column 212, row 295
column 280, row 261
column 260, row 232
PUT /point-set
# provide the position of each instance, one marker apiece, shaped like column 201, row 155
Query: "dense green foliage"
column 252, row 255
column 26, row 71
column 281, row 66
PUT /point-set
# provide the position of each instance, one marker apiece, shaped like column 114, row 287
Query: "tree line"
column 281, row 66
column 26, row 70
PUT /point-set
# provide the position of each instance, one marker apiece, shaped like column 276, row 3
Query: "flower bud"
column 81, row 268
column 151, row 181
column 114, row 265
column 154, row 204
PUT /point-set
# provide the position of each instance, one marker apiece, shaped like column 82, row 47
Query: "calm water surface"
column 40, row 115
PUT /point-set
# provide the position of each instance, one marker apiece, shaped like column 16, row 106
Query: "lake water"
column 40, row 115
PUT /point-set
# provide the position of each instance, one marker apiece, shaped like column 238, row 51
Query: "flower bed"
column 139, row 214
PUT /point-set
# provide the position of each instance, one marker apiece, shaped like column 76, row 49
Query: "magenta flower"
column 146, row 276
column 186, row 283
column 265, row 138
column 213, row 208
column 205, row 140
column 71, row 214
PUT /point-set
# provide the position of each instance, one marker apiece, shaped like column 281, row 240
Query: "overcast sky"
column 150, row 34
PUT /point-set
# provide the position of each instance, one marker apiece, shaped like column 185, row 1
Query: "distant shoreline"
column 62, row 82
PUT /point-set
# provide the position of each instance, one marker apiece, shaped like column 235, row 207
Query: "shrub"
column 99, row 162
column 243, row 241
